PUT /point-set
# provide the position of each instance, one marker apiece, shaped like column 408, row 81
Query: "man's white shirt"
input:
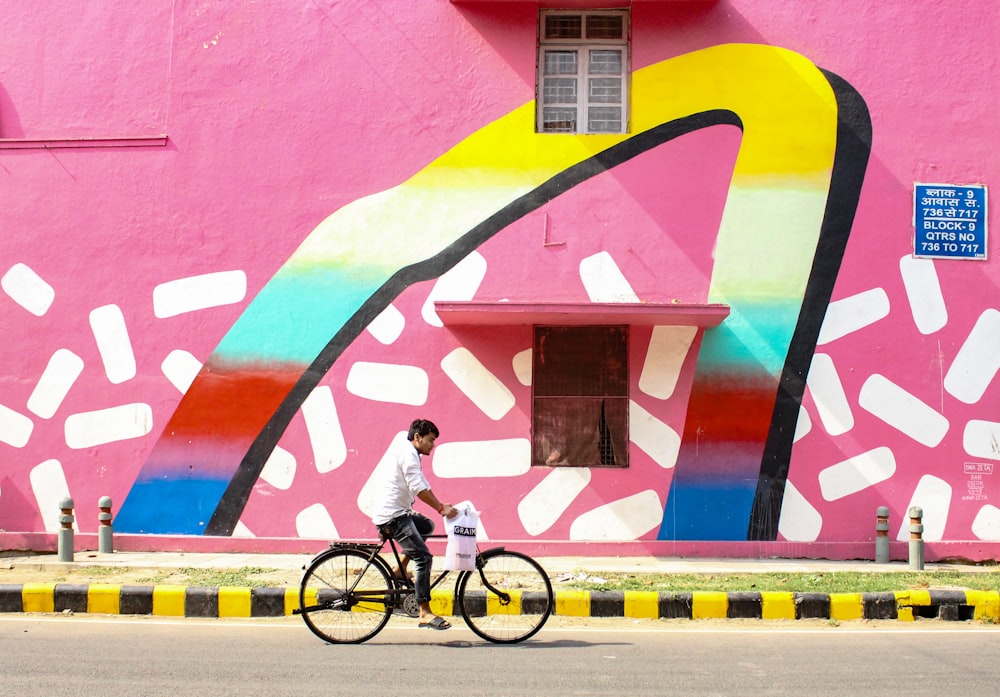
column 398, row 480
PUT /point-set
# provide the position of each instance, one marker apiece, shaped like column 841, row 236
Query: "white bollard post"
column 882, row 535
column 65, row 543
column 105, row 531
column 916, row 538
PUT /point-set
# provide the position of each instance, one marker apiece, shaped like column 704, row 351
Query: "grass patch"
column 836, row 582
column 151, row 580
column 243, row 577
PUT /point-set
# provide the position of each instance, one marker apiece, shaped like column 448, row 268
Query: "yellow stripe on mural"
column 789, row 116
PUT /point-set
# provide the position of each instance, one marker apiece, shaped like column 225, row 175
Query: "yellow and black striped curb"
column 196, row 601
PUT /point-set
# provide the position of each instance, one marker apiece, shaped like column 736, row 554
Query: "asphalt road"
column 111, row 656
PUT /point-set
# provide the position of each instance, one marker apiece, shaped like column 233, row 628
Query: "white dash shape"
column 90, row 428
column 63, row 368
column 668, row 347
column 489, row 458
column 933, row 495
column 625, row 519
column 654, row 437
column 180, row 368
column 388, row 326
column 851, row 314
column 923, row 290
column 48, row 484
column 279, row 470
column 113, row 343
column 604, row 281
column 977, row 361
column 199, row 293
column 544, row 505
column 477, row 383
column 314, row 522
column 888, row 401
column 799, row 521
column 15, row 427
column 27, row 289
column 325, row 434
column 459, row 283
column 387, row 382
column 982, row 439
column 857, row 473
column 828, row 393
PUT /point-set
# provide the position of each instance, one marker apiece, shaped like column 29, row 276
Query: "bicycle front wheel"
column 507, row 599
column 344, row 598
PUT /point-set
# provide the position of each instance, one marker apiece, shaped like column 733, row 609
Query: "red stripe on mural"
column 729, row 410
column 231, row 403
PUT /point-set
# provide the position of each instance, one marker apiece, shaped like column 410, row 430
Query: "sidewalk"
column 553, row 565
column 184, row 601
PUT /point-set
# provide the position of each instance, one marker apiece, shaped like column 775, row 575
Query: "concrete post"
column 66, row 542
column 105, row 531
column 882, row 535
column 916, row 538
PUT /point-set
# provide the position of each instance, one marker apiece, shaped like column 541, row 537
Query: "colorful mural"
column 233, row 392
column 297, row 322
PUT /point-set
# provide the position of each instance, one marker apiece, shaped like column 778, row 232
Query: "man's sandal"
column 436, row 623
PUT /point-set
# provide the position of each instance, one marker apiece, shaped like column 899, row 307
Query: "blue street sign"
column 949, row 221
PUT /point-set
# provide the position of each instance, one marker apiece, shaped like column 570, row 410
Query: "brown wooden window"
column 580, row 396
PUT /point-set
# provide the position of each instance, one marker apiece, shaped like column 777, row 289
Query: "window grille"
column 582, row 72
column 580, row 396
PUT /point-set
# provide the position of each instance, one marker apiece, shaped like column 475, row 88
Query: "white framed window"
column 583, row 69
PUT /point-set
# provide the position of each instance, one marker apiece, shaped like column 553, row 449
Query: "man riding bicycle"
column 398, row 482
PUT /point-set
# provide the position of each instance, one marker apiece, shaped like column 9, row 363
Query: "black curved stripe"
column 233, row 501
column 850, row 161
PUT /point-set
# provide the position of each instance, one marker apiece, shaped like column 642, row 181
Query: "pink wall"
column 276, row 117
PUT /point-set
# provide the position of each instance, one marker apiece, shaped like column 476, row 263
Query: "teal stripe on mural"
column 755, row 336
column 294, row 315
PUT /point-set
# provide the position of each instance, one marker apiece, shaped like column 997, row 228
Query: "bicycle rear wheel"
column 507, row 599
column 344, row 599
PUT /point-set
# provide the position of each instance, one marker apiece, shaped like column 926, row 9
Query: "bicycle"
column 349, row 592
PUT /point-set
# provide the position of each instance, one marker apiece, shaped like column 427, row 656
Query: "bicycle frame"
column 357, row 576
column 403, row 586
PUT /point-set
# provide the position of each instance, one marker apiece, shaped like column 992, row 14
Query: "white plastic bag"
column 460, row 554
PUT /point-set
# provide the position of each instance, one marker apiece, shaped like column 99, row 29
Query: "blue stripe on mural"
column 703, row 510
column 192, row 502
